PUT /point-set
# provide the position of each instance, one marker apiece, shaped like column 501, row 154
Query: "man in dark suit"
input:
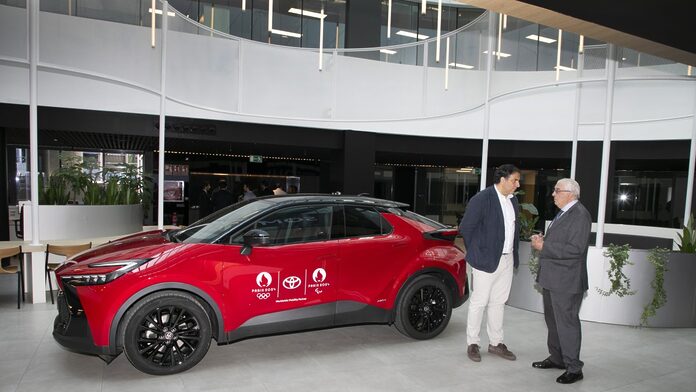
column 221, row 197
column 490, row 228
column 563, row 277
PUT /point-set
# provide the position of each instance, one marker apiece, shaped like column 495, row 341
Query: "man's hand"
column 537, row 241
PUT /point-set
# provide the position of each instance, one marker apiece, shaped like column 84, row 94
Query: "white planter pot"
column 680, row 280
column 76, row 222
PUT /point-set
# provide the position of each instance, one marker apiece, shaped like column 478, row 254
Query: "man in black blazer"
column 563, row 277
column 490, row 228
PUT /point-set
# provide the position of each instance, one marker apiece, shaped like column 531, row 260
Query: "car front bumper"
column 71, row 329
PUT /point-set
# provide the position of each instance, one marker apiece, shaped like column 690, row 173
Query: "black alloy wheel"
column 166, row 333
column 424, row 309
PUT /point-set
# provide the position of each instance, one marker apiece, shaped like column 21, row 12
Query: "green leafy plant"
column 529, row 216
column 55, row 191
column 620, row 284
column 534, row 263
column 687, row 240
column 658, row 258
column 78, row 179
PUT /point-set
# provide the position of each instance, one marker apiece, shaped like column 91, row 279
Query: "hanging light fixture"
column 500, row 34
column 389, row 7
column 243, row 5
column 321, row 37
column 423, row 7
column 439, row 31
column 558, row 55
column 447, row 64
column 581, row 45
column 152, row 24
column 270, row 15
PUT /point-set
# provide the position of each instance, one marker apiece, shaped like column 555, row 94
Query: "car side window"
column 294, row 225
column 365, row 221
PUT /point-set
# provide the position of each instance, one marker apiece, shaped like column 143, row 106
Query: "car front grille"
column 63, row 311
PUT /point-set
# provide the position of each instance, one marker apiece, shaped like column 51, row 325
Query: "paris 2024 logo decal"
column 263, row 279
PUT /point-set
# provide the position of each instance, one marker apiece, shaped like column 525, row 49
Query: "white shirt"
column 509, row 219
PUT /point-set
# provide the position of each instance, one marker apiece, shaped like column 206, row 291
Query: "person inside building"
column 205, row 203
column 248, row 193
column 221, row 197
column 264, row 189
column 279, row 190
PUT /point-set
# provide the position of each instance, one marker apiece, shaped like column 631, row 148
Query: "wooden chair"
column 11, row 269
column 61, row 250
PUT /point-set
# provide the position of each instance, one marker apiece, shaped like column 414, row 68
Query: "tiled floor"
column 364, row 358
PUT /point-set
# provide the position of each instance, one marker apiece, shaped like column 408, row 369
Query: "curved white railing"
column 236, row 79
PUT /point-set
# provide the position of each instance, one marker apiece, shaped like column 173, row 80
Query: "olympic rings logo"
column 263, row 295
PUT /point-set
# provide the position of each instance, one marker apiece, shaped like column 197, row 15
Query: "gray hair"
column 570, row 185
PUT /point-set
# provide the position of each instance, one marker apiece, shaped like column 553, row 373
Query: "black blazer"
column 563, row 259
column 483, row 230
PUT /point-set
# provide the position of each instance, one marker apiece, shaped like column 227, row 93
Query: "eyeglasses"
column 556, row 190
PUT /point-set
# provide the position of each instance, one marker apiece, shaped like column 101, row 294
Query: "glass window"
column 648, row 197
column 364, row 221
column 334, row 23
column 294, row 225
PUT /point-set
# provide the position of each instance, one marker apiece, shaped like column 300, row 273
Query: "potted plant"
column 79, row 197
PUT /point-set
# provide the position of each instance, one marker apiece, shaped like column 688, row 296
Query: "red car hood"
column 138, row 246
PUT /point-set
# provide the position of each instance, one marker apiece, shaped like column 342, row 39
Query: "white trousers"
column 490, row 291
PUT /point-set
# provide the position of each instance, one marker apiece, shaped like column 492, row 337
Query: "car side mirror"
column 256, row 237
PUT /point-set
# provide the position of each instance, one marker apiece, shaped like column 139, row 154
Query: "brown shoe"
column 473, row 352
column 502, row 351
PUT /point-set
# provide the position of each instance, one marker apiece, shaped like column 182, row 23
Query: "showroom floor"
column 363, row 358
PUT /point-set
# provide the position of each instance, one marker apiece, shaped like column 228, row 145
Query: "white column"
column 576, row 116
column 606, row 145
column 692, row 164
column 487, row 104
column 33, row 23
column 162, row 117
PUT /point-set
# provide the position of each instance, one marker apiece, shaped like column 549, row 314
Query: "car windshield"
column 213, row 226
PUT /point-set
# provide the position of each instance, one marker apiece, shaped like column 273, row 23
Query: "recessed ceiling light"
column 306, row 13
column 502, row 54
column 286, row 33
column 411, row 35
column 545, row 40
column 465, row 66
column 159, row 12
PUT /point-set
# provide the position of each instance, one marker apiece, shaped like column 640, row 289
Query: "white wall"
column 98, row 65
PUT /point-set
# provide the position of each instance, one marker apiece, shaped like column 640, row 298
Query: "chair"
column 11, row 269
column 61, row 250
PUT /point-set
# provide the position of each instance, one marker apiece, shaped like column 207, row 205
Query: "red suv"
column 266, row 266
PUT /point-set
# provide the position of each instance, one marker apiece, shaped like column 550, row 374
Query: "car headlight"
column 124, row 266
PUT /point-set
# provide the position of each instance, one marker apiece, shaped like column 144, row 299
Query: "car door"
column 290, row 283
column 369, row 257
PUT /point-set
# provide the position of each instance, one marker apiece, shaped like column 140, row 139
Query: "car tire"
column 424, row 308
column 167, row 332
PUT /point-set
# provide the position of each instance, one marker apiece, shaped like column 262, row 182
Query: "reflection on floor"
column 363, row 358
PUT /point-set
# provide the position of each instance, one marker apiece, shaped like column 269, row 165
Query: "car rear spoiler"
column 446, row 234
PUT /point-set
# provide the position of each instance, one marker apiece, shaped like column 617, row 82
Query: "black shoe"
column 546, row 364
column 569, row 378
